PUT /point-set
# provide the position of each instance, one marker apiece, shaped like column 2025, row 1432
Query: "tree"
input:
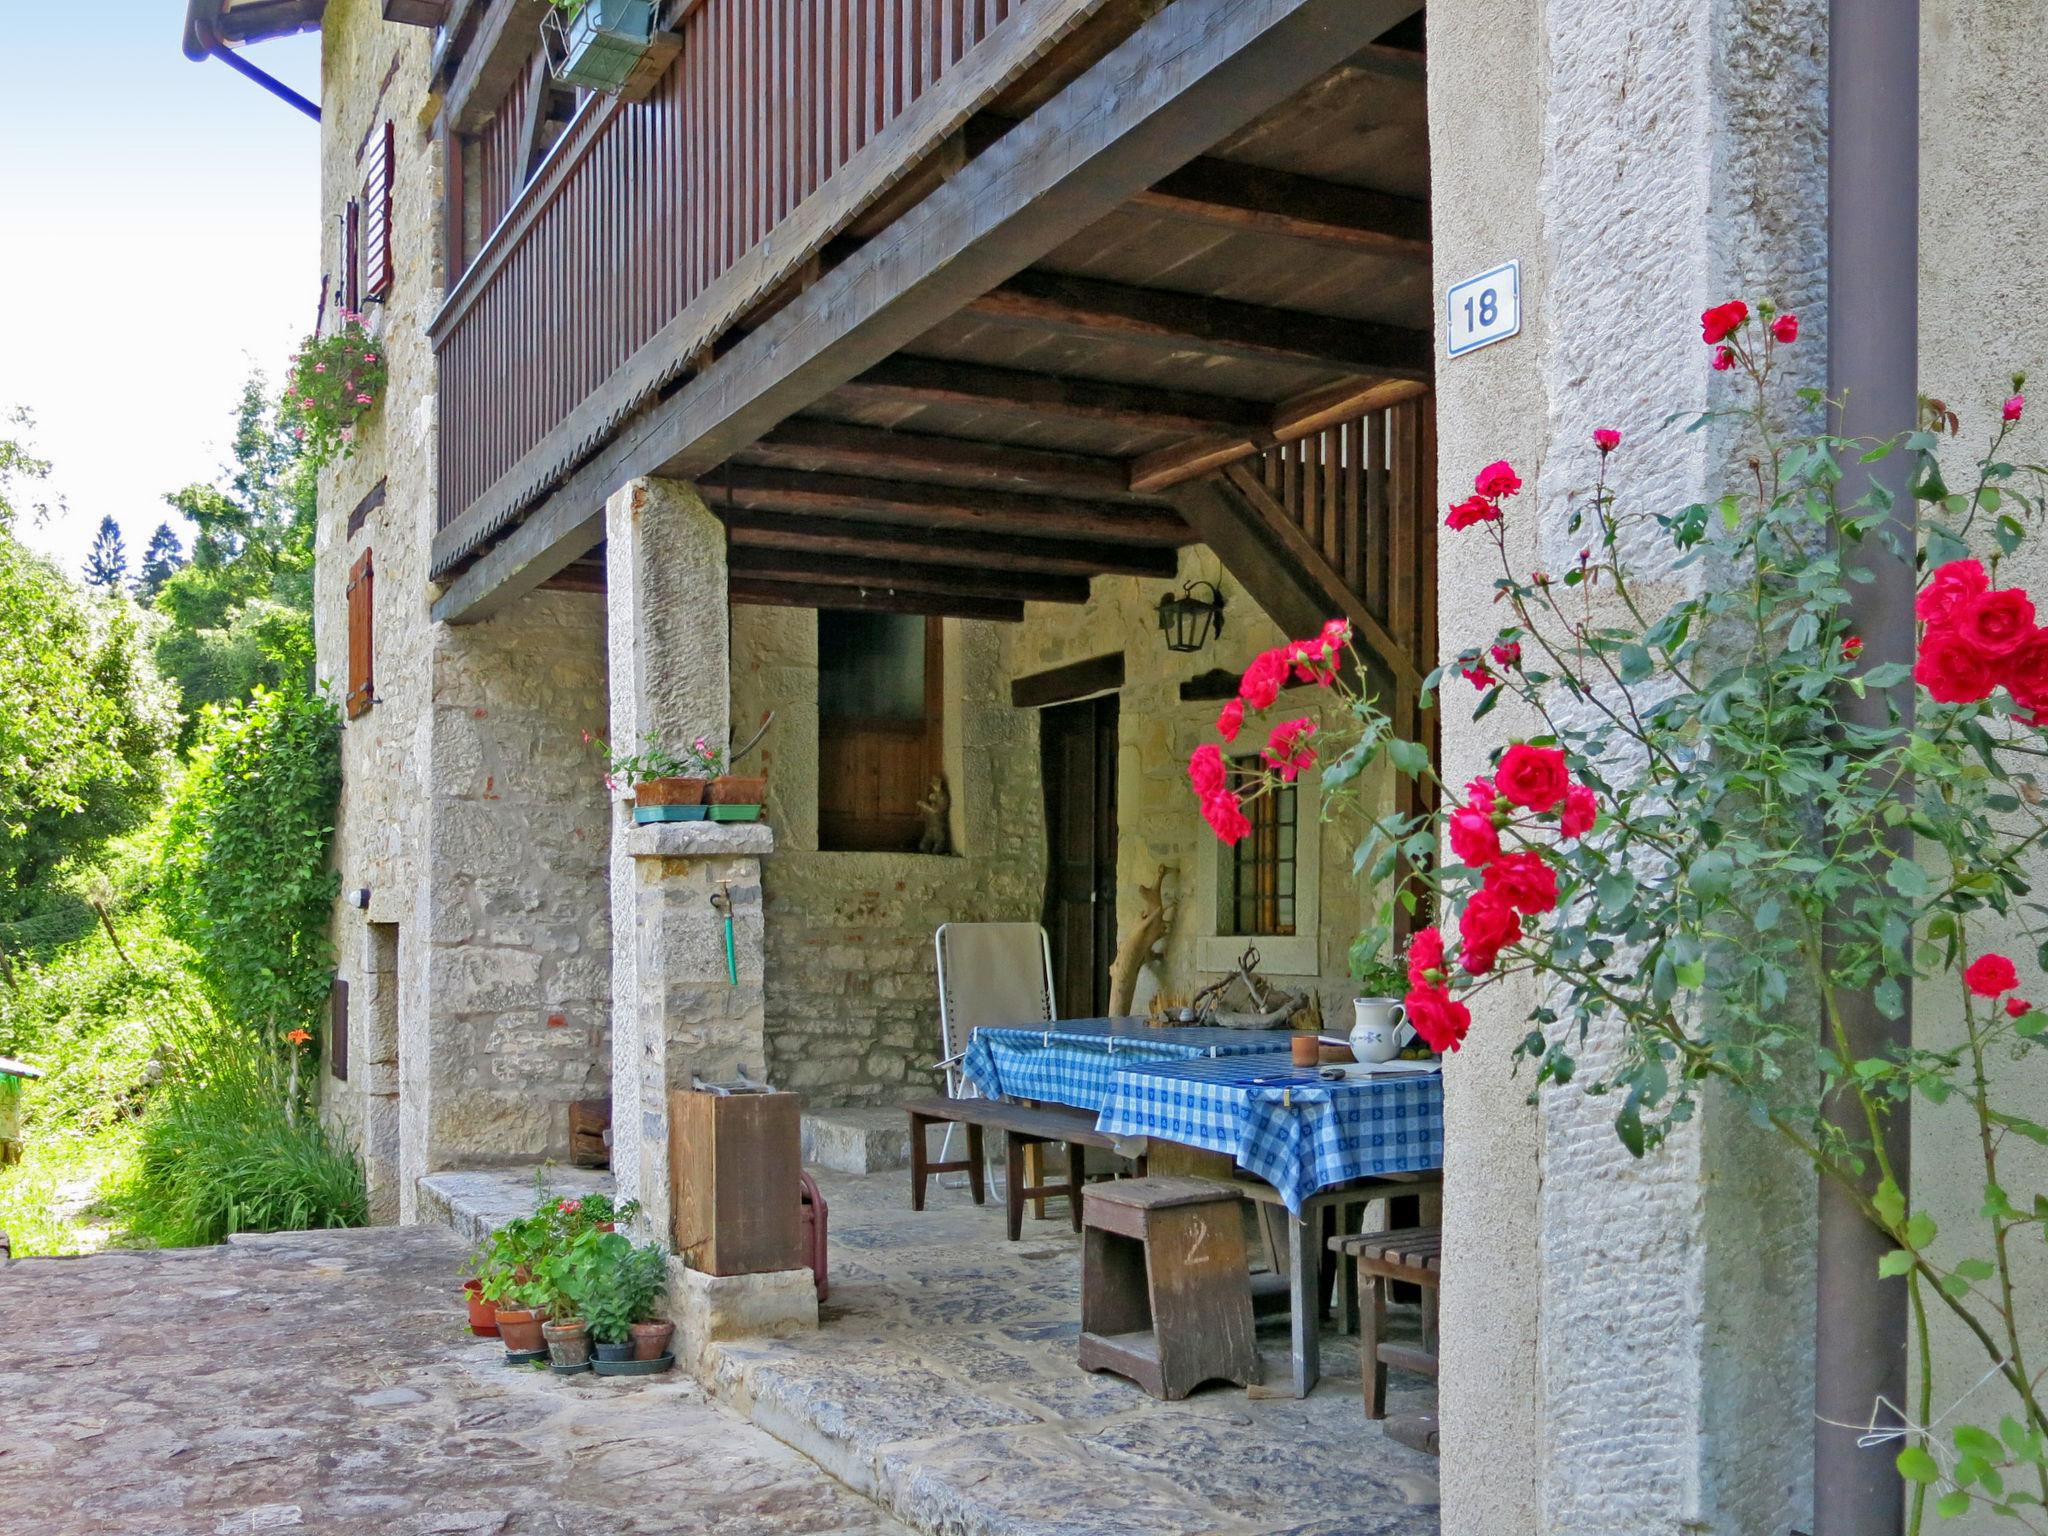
column 106, row 566
column 162, row 560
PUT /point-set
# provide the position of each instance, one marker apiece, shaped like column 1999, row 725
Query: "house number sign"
column 1484, row 309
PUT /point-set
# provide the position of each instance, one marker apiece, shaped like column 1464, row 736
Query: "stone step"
column 858, row 1141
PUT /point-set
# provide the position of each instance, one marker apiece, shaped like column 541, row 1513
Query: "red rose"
column 1581, row 810
column 1852, row 647
column 1724, row 359
column 2025, row 671
column 1335, row 636
column 1425, row 956
column 1948, row 589
column 2013, row 406
column 1206, row 771
column 1473, row 509
column 1225, row 817
column 1309, row 663
column 1722, row 321
column 1786, row 327
column 1989, row 975
column 1525, row 881
column 1480, row 676
column 1996, row 623
column 1473, row 838
column 1440, row 1019
column 1508, row 655
column 1286, row 750
column 1606, row 439
column 1952, row 670
column 1498, row 479
column 1479, row 794
column 1486, row 927
column 2018, row 1007
column 1264, row 679
column 1533, row 777
column 1231, row 721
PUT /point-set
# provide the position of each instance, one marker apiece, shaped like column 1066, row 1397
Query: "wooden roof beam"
column 1193, row 322
column 904, row 576
column 814, row 444
column 940, row 506
column 1253, row 200
column 752, row 591
column 1293, row 419
column 909, row 380
column 938, row 546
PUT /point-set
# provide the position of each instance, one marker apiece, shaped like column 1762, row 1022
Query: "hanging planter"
column 596, row 43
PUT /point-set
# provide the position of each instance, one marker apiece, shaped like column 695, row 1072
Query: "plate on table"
column 1353, row 1070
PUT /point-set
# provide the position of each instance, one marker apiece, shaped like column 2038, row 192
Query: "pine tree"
column 106, row 566
column 165, row 556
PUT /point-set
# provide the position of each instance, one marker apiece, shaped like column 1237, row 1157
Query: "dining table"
column 1075, row 1061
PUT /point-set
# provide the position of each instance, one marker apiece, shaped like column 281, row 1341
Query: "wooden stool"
column 1413, row 1254
column 1166, row 1294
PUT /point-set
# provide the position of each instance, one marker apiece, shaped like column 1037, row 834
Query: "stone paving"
column 326, row 1383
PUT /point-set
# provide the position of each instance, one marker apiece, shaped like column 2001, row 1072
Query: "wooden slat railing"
column 642, row 207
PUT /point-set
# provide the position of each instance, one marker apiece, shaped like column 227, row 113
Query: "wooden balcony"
column 654, row 226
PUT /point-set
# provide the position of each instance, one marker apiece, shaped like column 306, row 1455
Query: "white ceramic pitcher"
column 1381, row 1029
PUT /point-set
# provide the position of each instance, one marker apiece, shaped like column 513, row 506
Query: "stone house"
column 884, row 374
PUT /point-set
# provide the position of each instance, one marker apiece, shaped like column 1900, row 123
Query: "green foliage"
column 257, row 643
column 336, row 380
column 106, row 563
column 85, row 740
column 246, row 878
column 623, row 1284
column 164, row 557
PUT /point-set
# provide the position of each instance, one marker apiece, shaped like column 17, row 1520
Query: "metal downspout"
column 1860, row 1335
column 202, row 41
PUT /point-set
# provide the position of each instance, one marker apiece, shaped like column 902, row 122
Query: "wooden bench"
column 1413, row 1254
column 1022, row 1125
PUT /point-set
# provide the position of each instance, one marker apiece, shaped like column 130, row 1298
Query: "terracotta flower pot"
column 568, row 1343
column 669, row 792
column 650, row 1340
column 519, row 1327
column 483, row 1315
column 729, row 789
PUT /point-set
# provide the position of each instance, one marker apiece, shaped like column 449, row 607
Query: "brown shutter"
column 352, row 258
column 379, row 260
column 337, row 1033
column 362, row 681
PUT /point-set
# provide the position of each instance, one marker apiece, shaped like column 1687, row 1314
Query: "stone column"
column 1627, row 1345
column 671, row 678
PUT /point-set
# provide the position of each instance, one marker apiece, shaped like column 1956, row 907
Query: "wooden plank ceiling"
column 1273, row 287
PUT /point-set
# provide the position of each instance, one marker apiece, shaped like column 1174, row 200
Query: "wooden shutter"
column 352, row 258
column 337, row 1033
column 379, row 260
column 362, row 680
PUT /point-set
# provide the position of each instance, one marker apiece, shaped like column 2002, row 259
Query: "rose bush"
column 1711, row 842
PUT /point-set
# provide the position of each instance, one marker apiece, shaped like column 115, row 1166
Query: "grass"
column 71, row 1193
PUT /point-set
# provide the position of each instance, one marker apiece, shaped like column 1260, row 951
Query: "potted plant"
column 483, row 1316
column 334, row 382
column 739, row 797
column 597, row 43
column 570, row 1277
column 666, row 786
column 625, row 1284
column 510, row 1281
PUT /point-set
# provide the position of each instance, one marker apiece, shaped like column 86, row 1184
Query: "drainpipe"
column 1860, row 1336
column 202, row 41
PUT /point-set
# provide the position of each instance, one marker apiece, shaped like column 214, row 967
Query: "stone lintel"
column 700, row 840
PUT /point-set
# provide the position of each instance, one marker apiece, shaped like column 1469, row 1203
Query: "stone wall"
column 852, row 986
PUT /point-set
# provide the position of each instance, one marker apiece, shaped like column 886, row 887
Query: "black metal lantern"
column 1188, row 621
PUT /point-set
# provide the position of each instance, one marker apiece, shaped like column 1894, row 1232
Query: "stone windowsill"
column 700, row 840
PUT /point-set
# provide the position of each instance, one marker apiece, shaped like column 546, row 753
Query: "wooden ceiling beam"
column 813, row 444
column 1193, row 322
column 750, row 591
column 940, row 506
column 1293, row 418
column 903, row 576
column 910, row 380
column 1251, row 199
column 883, row 541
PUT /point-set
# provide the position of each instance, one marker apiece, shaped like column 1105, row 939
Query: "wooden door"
column 1077, row 743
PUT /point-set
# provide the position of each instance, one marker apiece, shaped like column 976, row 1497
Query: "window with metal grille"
column 362, row 605
column 1257, row 877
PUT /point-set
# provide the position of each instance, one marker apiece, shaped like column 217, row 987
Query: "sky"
column 159, row 239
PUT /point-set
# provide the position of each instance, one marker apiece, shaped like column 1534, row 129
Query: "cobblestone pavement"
column 326, row 1383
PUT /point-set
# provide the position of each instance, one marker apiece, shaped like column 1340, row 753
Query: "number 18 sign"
column 1484, row 309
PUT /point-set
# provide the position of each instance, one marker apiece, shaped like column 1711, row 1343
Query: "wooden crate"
column 733, row 1163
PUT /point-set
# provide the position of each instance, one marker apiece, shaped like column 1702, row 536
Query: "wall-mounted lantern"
column 1188, row 621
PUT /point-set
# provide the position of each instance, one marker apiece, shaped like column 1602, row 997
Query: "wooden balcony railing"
column 642, row 234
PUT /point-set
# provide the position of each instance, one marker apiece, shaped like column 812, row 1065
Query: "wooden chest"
column 733, row 1162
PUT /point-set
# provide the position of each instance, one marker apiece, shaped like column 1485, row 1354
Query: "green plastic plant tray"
column 644, row 815
column 633, row 1367
column 734, row 812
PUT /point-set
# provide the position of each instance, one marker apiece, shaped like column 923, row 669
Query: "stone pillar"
column 671, row 678
column 1627, row 1345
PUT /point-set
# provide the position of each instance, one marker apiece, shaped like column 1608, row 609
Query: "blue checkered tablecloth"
column 1283, row 1123
column 1075, row 1061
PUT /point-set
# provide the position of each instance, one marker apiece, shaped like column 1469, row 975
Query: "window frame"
column 932, row 750
column 1294, row 955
